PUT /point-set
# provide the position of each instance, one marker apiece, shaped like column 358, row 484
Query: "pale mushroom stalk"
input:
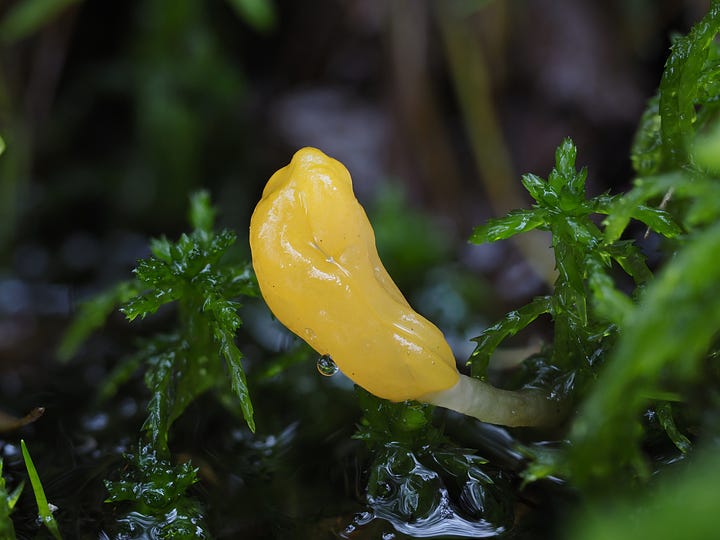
column 487, row 403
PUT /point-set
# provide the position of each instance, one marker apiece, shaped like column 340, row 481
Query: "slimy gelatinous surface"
column 314, row 254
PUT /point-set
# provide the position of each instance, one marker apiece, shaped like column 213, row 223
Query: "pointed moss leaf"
column 8, row 499
column 652, row 348
column 657, row 220
column 153, row 482
column 703, row 192
column 224, row 312
column 679, row 89
column 7, row 502
column 177, row 372
column 517, row 221
column 148, row 303
column 624, row 208
column 14, row 496
column 630, row 207
column 240, row 280
column 539, row 189
column 563, row 175
column 601, row 204
column 646, row 153
column 513, row 322
column 577, row 230
column 161, row 248
column 565, row 156
column 158, row 378
column 188, row 255
column 619, row 217
column 156, row 273
column 631, row 260
column 233, row 357
column 576, row 185
column 44, row 511
column 569, row 261
column 201, row 214
column 610, row 303
column 92, row 314
column 220, row 244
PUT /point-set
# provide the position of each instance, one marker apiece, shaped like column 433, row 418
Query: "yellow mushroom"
column 313, row 251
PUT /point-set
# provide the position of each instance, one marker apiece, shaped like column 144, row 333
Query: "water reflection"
column 326, row 366
column 138, row 526
column 438, row 493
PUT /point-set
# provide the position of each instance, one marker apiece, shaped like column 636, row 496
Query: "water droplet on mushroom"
column 326, row 366
column 310, row 335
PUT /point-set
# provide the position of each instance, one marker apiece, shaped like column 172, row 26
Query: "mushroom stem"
column 511, row 408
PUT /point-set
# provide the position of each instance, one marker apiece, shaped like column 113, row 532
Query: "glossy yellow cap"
column 314, row 254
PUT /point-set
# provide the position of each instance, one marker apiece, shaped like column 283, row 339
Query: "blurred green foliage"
column 681, row 504
column 27, row 17
column 260, row 14
column 166, row 86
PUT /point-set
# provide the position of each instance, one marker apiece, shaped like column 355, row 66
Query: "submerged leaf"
column 156, row 490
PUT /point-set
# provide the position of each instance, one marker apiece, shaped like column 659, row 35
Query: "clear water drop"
column 309, row 335
column 326, row 366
